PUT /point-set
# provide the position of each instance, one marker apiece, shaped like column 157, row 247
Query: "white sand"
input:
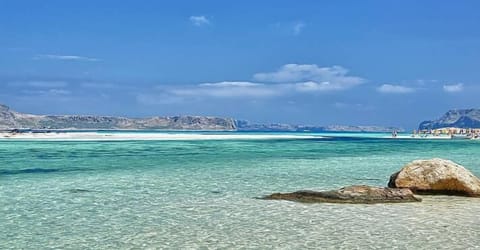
column 126, row 136
column 93, row 136
column 430, row 137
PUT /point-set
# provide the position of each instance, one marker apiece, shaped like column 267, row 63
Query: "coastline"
column 154, row 136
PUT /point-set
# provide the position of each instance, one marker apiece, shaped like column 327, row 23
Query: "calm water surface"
column 201, row 194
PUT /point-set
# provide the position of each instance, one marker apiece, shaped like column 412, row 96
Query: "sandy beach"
column 105, row 136
column 159, row 136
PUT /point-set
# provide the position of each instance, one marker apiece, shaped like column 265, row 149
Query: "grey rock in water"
column 458, row 118
column 360, row 194
column 10, row 119
column 436, row 176
column 77, row 190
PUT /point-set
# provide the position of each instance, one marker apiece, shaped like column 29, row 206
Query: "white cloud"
column 297, row 28
column 312, row 77
column 66, row 58
column 229, row 89
column 230, row 84
column 451, row 88
column 199, row 20
column 395, row 89
column 288, row 80
column 314, row 86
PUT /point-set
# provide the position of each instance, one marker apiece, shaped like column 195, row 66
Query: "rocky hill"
column 243, row 125
column 10, row 119
column 459, row 118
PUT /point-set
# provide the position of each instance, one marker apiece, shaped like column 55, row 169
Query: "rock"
column 436, row 176
column 352, row 194
column 77, row 190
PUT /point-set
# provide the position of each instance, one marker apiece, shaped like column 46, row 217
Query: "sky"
column 390, row 63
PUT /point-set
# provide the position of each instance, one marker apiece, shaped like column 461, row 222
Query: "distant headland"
column 10, row 119
column 456, row 118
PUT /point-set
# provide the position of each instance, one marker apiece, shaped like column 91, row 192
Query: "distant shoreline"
column 160, row 135
column 96, row 136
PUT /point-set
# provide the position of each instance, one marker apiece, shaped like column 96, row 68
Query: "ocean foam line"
column 90, row 136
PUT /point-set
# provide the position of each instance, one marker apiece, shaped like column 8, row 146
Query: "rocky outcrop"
column 352, row 194
column 436, row 176
column 10, row 119
column 459, row 118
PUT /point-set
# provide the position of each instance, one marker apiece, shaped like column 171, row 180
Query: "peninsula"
column 10, row 119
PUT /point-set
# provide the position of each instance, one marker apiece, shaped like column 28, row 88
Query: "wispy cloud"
column 97, row 85
column 65, row 58
column 39, row 84
column 199, row 20
column 290, row 79
column 395, row 89
column 310, row 77
column 230, row 84
column 452, row 88
column 48, row 92
column 229, row 89
column 316, row 86
column 297, row 28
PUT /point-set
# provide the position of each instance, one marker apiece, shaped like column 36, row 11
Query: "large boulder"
column 352, row 194
column 436, row 176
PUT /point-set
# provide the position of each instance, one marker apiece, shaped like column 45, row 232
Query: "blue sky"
column 303, row 62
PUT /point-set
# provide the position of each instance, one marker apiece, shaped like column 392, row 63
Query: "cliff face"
column 459, row 118
column 10, row 119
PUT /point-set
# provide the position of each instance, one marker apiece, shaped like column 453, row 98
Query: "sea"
column 203, row 194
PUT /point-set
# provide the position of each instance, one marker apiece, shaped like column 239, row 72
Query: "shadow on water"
column 37, row 171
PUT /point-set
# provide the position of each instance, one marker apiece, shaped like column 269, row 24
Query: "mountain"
column 243, row 125
column 10, row 119
column 458, row 118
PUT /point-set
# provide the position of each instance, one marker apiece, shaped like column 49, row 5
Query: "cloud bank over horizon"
column 287, row 87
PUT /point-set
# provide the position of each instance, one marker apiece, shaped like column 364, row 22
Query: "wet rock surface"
column 360, row 194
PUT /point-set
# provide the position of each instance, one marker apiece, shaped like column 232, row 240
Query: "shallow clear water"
column 201, row 194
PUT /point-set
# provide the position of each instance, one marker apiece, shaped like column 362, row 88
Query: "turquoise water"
column 201, row 194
